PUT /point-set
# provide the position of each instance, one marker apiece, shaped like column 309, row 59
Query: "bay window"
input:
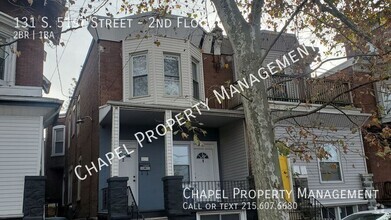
column 139, row 70
column 171, row 75
column 195, row 76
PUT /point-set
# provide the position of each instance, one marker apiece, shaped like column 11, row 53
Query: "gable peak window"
column 139, row 70
column 330, row 167
column 172, row 75
column 58, row 144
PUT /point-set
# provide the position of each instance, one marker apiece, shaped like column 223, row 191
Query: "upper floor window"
column 330, row 168
column 58, row 144
column 195, row 76
column 2, row 59
column 78, row 115
column 74, row 119
column 386, row 93
column 172, row 75
column 139, row 71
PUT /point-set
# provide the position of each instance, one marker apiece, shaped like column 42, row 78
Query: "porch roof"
column 147, row 114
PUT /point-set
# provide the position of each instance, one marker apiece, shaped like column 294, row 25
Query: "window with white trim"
column 58, row 140
column 386, row 98
column 69, row 133
column 195, row 77
column 73, row 120
column 139, row 70
column 3, row 56
column 78, row 115
column 330, row 167
column 221, row 216
column 182, row 161
column 172, row 75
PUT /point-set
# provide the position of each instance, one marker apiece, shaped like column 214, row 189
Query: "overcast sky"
column 70, row 57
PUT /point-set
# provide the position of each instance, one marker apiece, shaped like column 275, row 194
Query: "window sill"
column 332, row 181
column 174, row 96
column 57, row 155
column 139, row 97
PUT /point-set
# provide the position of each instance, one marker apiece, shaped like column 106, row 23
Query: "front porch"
column 219, row 162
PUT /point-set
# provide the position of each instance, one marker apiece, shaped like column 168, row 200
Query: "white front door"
column 128, row 167
column 204, row 165
column 205, row 169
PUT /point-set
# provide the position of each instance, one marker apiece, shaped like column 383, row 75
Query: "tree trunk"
column 246, row 41
column 263, row 153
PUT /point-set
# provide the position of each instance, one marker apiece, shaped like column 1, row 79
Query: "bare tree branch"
column 336, row 13
column 256, row 12
column 298, row 9
column 320, row 65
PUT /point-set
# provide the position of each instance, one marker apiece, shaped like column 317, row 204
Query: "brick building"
column 137, row 77
column 375, row 99
column 24, row 113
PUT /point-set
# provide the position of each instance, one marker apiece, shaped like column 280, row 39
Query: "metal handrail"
column 134, row 206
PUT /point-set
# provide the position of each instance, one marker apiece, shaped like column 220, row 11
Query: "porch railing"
column 384, row 193
column 290, row 88
column 223, row 192
column 310, row 208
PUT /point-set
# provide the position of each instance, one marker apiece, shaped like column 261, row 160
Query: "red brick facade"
column 364, row 98
column 100, row 81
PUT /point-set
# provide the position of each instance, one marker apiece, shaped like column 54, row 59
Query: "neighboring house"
column 130, row 83
column 374, row 98
column 24, row 113
column 54, row 166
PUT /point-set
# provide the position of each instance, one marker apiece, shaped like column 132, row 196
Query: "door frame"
column 207, row 144
column 133, row 146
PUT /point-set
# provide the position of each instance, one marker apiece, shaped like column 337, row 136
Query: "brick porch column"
column 34, row 197
column 173, row 195
column 117, row 203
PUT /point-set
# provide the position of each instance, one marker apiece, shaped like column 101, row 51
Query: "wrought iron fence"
column 310, row 208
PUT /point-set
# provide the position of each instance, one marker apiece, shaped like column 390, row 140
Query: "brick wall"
column 86, row 143
column 110, row 71
column 214, row 76
column 100, row 81
column 364, row 98
column 29, row 65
